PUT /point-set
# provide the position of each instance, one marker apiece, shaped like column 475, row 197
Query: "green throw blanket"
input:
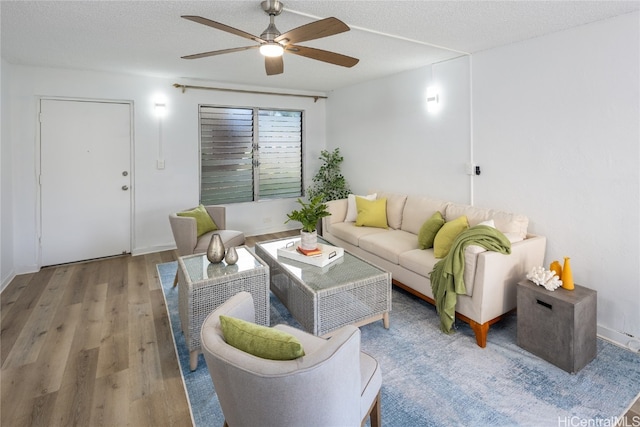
column 447, row 277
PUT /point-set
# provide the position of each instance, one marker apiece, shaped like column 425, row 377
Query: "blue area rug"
column 434, row 379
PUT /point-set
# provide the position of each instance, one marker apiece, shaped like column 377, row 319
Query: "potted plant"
column 308, row 215
column 329, row 181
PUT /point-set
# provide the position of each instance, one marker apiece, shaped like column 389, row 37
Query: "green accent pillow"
column 371, row 213
column 447, row 234
column 204, row 223
column 429, row 229
column 261, row 341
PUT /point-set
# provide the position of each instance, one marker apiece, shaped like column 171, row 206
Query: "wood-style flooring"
column 89, row 344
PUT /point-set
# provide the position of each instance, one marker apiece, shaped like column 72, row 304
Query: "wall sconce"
column 433, row 99
column 161, row 109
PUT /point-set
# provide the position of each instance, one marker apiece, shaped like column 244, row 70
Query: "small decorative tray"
column 329, row 254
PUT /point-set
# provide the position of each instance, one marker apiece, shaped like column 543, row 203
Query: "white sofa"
column 490, row 277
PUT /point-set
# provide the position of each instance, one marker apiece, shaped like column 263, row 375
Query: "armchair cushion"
column 261, row 341
column 204, row 223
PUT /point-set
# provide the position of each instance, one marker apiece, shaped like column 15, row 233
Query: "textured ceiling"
column 149, row 37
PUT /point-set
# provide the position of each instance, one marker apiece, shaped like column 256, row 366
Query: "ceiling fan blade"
column 315, row 30
column 223, row 27
column 273, row 65
column 322, row 55
column 219, row 52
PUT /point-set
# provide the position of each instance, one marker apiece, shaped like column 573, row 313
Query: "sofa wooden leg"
column 175, row 280
column 481, row 331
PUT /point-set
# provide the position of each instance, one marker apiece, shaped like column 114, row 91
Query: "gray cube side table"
column 558, row 326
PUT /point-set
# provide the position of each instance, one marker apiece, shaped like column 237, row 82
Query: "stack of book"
column 310, row 252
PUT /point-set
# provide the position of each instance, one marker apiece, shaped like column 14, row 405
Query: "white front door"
column 85, row 155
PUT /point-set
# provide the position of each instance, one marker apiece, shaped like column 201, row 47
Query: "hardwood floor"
column 89, row 344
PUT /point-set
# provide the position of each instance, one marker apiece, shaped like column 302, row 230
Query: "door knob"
column 125, row 188
column 125, row 173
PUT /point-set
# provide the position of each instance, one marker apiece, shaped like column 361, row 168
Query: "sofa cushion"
column 395, row 208
column 447, row 234
column 418, row 209
column 429, row 229
column 506, row 222
column 371, row 213
column 352, row 209
column 421, row 262
column 389, row 245
column 351, row 234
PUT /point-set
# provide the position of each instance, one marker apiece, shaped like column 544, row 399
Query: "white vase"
column 308, row 240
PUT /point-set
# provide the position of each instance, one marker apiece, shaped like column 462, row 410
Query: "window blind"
column 280, row 153
column 243, row 161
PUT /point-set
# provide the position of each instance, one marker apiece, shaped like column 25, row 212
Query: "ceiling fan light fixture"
column 272, row 49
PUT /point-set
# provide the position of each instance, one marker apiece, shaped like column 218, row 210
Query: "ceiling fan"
column 272, row 44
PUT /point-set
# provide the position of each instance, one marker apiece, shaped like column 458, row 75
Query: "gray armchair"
column 187, row 240
column 333, row 384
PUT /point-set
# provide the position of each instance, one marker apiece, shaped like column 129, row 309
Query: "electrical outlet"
column 160, row 164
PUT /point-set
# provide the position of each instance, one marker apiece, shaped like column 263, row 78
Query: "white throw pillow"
column 488, row 223
column 352, row 210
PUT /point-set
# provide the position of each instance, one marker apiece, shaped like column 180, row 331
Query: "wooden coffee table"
column 350, row 290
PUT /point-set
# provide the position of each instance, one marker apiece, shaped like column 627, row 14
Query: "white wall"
column 390, row 142
column 555, row 131
column 7, row 271
column 156, row 192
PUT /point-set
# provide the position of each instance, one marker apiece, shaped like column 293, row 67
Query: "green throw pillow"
column 204, row 223
column 371, row 213
column 261, row 341
column 429, row 229
column 447, row 234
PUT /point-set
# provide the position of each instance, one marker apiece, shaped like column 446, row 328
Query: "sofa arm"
column 494, row 291
column 338, row 211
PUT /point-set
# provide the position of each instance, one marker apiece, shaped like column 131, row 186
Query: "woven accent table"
column 204, row 286
column 350, row 290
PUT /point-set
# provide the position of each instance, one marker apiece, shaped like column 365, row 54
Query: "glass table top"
column 346, row 269
column 199, row 268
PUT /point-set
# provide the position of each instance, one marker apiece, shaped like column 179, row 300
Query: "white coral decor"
column 546, row 278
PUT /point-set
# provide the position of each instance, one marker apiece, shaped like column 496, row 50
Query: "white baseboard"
column 619, row 338
column 7, row 280
column 152, row 249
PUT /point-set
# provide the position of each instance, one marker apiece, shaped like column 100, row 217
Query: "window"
column 249, row 154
